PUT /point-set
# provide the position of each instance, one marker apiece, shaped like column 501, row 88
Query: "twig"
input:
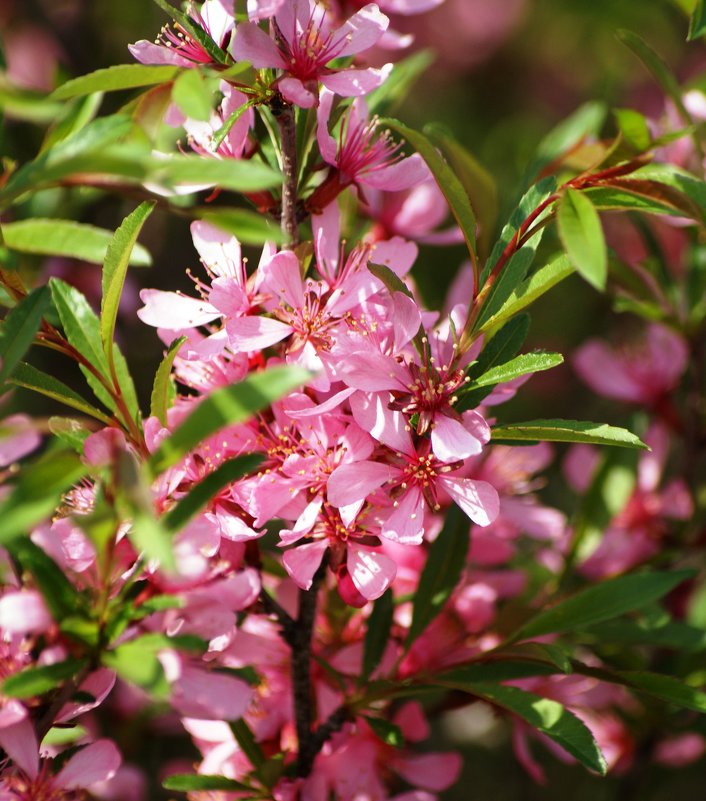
column 284, row 114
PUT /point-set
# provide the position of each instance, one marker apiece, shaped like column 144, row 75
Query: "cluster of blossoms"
column 355, row 472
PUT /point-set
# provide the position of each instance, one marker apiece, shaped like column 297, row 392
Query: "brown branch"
column 284, row 114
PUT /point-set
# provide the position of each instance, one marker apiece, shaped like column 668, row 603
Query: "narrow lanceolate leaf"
column 19, row 328
column 527, row 363
column 529, row 290
column 117, row 259
column 199, row 496
column 550, row 718
column 247, row 742
column 464, row 678
column 567, row 431
column 377, row 634
column 601, row 602
column 159, row 401
column 248, row 226
column 48, row 237
column 581, row 233
column 441, row 574
column 388, row 732
column 29, row 377
column 111, row 79
column 503, row 345
column 227, row 406
column 60, row 595
column 448, row 182
column 192, row 96
column 697, row 23
column 39, row 680
column 188, row 782
column 666, row 688
column 38, row 492
column 240, row 175
column 386, row 98
column 520, row 365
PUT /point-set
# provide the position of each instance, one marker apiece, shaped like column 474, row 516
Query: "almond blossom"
column 306, row 43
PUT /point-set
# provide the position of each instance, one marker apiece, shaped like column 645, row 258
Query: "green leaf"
column 50, row 237
column 136, row 662
column 659, row 69
column 511, row 276
column 240, row 175
column 697, row 23
column 75, row 116
column 117, row 258
column 586, row 121
column 502, row 346
column 19, row 328
column 377, row 633
column 600, row 602
column 447, row 180
column 634, row 129
column 530, row 290
column 159, row 400
column 476, row 180
column 199, row 496
column 388, row 732
column 664, row 634
column 60, row 596
column 38, row 492
column 248, row 745
column 495, row 670
column 39, row 680
column 550, row 718
column 188, row 782
column 227, row 406
column 28, row 377
column 69, row 431
column 581, row 233
column 535, row 196
column 520, row 365
column 192, row 95
column 247, row 226
column 153, row 540
column 567, row 431
column 112, row 79
column 445, row 564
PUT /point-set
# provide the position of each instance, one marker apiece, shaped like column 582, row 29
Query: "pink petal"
column 282, row 277
column 24, row 612
column 255, row 333
column 413, row 722
column 451, row 440
column 373, row 371
column 406, row 523
column 11, row 712
column 150, row 53
column 103, row 447
column 303, row 561
column 400, row 175
column 295, row 92
column 219, row 251
column 430, row 771
column 598, row 366
column 20, row 743
column 96, row 762
column 407, row 319
column 327, row 144
column 252, row 44
column 371, row 571
column 478, row 499
column 398, row 254
column 17, row 438
column 411, row 6
column 208, row 695
column 372, row 414
column 326, row 229
column 322, row 408
column 355, row 82
column 362, row 30
column 235, row 529
column 173, row 311
column 263, row 9
column 354, row 482
column 305, row 522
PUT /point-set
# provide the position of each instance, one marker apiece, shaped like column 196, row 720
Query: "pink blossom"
column 362, row 155
column 176, row 46
column 24, row 612
column 642, row 374
column 680, row 750
column 18, row 437
column 306, row 43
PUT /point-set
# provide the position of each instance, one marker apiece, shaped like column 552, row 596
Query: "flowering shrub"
column 324, row 518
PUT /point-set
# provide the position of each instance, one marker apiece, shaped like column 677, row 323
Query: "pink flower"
column 306, row 44
column 32, row 778
column 642, row 374
column 24, row 612
column 18, row 437
column 177, row 47
column 361, row 156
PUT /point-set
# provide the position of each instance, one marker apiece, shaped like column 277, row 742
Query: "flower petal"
column 371, row 571
column 255, row 333
column 94, row 763
column 303, row 561
column 478, row 499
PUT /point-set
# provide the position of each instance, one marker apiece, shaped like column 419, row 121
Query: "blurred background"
column 505, row 72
